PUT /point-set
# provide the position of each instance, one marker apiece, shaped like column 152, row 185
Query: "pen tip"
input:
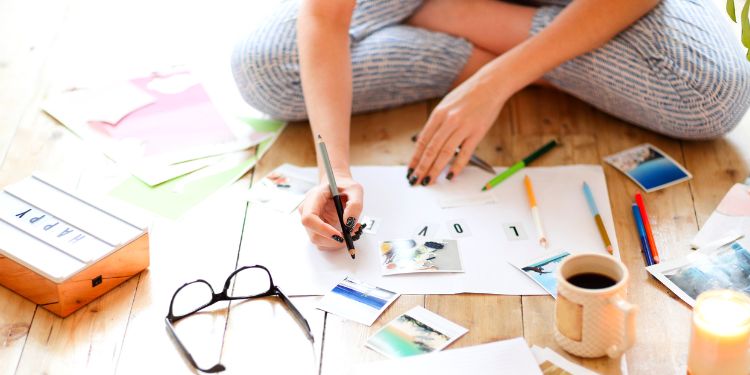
column 484, row 188
column 543, row 242
column 610, row 251
column 353, row 253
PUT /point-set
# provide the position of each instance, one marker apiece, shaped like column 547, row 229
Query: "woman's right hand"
column 319, row 217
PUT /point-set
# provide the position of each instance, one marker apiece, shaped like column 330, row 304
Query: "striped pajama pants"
column 679, row 70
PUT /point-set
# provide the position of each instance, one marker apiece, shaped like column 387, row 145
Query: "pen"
column 642, row 235
column 336, row 196
column 647, row 227
column 597, row 217
column 518, row 166
column 535, row 211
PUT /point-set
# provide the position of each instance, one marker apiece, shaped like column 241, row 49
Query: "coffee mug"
column 592, row 318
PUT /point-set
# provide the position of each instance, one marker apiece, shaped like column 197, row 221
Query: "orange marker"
column 647, row 226
column 535, row 211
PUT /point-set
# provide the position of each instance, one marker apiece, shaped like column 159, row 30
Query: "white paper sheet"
column 501, row 357
column 280, row 242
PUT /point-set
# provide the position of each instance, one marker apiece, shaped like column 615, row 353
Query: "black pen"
column 336, row 197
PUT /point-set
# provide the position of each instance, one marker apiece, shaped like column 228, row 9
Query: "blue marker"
column 642, row 234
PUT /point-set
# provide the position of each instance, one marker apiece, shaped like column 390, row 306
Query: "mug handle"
column 629, row 311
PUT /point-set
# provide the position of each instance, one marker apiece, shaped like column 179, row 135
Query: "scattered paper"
column 283, row 189
column 554, row 364
column 357, row 301
column 174, row 198
column 418, row 331
column 649, row 167
column 544, row 271
column 486, row 255
column 500, row 357
column 149, row 123
column 410, row 256
column 736, row 202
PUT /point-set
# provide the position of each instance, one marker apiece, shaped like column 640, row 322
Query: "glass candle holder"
column 720, row 337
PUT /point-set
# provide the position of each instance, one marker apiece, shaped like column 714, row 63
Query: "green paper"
column 169, row 201
column 263, row 125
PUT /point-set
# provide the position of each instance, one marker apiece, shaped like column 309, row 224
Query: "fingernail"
column 338, row 238
column 449, row 176
column 413, row 180
column 359, row 231
column 409, row 172
column 425, row 181
column 355, row 237
column 350, row 223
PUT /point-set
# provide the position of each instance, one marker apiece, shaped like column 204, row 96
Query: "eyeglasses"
column 249, row 282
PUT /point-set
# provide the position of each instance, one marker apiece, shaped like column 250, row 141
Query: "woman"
column 672, row 66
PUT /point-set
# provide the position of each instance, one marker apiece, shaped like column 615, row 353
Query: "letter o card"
column 458, row 228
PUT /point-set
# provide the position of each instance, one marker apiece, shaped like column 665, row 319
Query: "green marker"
column 518, row 166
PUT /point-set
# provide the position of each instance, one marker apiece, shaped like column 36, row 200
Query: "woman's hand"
column 462, row 119
column 319, row 216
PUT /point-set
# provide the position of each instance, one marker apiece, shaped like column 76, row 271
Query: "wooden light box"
column 61, row 251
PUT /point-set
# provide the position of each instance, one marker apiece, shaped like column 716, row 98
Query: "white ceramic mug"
column 594, row 322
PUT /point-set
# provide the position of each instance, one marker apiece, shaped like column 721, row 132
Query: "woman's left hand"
column 462, row 119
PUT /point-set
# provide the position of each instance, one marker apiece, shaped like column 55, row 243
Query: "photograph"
column 357, row 301
column 418, row 331
column 419, row 255
column 725, row 268
column 649, row 167
column 281, row 190
column 542, row 271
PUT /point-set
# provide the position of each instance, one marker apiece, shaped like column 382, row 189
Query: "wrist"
column 338, row 172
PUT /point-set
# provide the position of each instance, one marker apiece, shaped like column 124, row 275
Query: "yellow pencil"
column 535, row 211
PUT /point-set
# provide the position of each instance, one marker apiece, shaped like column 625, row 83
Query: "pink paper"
column 176, row 121
column 736, row 202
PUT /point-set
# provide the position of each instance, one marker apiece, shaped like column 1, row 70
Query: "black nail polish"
column 409, row 172
column 338, row 238
column 449, row 176
column 350, row 223
column 356, row 237
column 413, row 180
column 425, row 181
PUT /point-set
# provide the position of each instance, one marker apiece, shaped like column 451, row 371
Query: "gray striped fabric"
column 679, row 70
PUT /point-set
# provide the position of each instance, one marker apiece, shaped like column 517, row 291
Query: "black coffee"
column 591, row 280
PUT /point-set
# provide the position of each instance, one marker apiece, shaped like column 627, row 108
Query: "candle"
column 720, row 337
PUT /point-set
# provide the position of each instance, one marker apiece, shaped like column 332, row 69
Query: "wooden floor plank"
column 28, row 37
column 573, row 124
column 663, row 321
column 344, row 346
column 202, row 245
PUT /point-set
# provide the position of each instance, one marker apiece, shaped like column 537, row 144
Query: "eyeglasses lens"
column 191, row 298
column 250, row 282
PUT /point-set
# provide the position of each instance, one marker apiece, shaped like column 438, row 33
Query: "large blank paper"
column 500, row 357
column 491, row 236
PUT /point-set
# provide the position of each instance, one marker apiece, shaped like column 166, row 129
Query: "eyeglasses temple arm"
column 297, row 315
column 170, row 328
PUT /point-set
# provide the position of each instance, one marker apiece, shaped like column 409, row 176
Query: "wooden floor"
column 47, row 45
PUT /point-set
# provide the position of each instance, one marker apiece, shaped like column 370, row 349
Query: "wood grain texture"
column 123, row 332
